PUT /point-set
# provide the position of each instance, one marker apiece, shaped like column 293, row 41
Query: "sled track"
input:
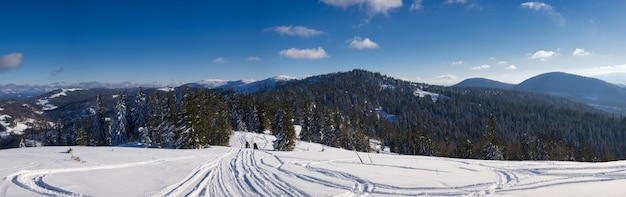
column 33, row 180
column 240, row 171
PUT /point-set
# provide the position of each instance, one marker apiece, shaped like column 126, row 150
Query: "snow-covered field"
column 307, row 171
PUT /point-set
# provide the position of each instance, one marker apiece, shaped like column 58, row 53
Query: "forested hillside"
column 346, row 110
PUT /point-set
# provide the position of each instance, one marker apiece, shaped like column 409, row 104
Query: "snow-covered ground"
column 310, row 170
column 19, row 127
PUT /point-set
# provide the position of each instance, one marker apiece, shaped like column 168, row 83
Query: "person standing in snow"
column 255, row 146
column 247, row 144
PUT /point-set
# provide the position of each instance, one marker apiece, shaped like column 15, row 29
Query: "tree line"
column 348, row 109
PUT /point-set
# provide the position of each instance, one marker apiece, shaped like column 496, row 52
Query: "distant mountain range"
column 242, row 86
column 13, row 91
column 594, row 92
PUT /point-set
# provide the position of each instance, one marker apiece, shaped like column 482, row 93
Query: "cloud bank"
column 313, row 53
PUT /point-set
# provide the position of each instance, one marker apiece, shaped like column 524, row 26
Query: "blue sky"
column 432, row 41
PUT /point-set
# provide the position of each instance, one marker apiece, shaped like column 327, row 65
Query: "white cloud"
column 10, row 61
column 295, row 53
column 545, row 8
column 253, row 59
column 416, row 5
column 502, row 62
column 606, row 70
column 220, row 60
column 580, row 52
column 457, row 63
column 536, row 6
column 481, row 67
column 295, row 31
column 446, row 77
column 373, row 7
column 359, row 43
column 511, row 67
column 542, row 55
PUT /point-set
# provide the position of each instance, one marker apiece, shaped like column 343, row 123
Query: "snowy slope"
column 307, row 171
column 243, row 86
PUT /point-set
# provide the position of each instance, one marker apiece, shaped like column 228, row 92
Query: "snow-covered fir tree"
column 154, row 119
column 285, row 135
column 140, row 112
column 167, row 121
column 493, row 148
column 119, row 127
column 100, row 127
column 193, row 133
column 59, row 136
column 81, row 136
column 253, row 123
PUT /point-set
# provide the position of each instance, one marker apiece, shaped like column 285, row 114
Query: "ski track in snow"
column 33, row 180
column 247, row 172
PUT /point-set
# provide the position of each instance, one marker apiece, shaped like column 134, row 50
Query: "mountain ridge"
column 341, row 109
column 600, row 94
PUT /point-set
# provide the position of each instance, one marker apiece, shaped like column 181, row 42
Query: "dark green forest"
column 347, row 110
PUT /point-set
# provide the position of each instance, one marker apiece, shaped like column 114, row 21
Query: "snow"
column 19, row 127
column 46, row 105
column 236, row 171
column 284, row 78
column 421, row 93
column 212, row 83
column 45, row 101
column 385, row 86
column 1, row 109
column 385, row 114
column 64, row 92
column 244, row 86
column 166, row 89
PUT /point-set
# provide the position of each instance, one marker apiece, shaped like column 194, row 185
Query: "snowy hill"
column 243, row 86
column 13, row 91
column 310, row 170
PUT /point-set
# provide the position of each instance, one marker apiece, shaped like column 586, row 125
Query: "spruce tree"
column 99, row 125
column 286, row 136
column 493, row 148
column 58, row 138
column 119, row 128
column 140, row 114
